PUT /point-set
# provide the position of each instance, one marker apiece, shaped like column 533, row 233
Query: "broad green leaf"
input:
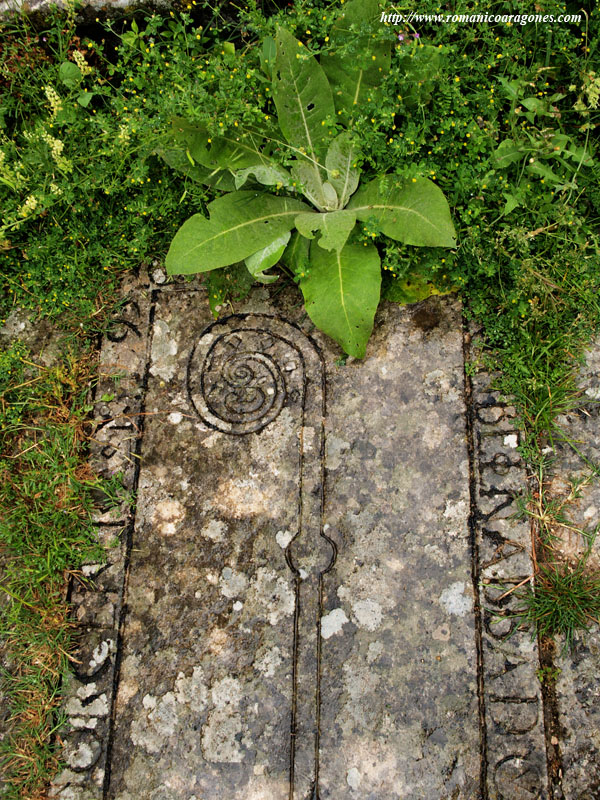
column 267, row 55
column 330, row 196
column 341, row 294
column 414, row 213
column 180, row 160
column 69, row 74
column 229, row 48
column 335, row 227
column 240, row 223
column 506, row 153
column 362, row 61
column 267, row 175
column 535, row 105
column 230, row 151
column 578, row 154
column 341, row 170
column 311, row 184
column 302, row 96
column 412, row 289
column 511, row 88
column 238, row 151
column 295, row 255
column 266, row 258
column 85, row 98
column 511, row 203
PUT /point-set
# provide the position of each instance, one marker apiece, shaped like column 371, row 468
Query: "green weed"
column 563, row 600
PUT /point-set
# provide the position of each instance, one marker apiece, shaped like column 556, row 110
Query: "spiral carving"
column 236, row 384
column 247, row 388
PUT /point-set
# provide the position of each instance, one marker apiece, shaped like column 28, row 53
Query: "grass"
column 563, row 601
column 46, row 533
column 86, row 198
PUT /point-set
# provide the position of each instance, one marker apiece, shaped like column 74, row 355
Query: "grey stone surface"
column 399, row 692
column 98, row 599
column 303, row 594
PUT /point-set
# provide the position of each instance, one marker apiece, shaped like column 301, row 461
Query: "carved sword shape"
column 240, row 389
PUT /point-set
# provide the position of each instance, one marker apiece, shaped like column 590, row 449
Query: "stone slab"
column 313, row 594
column 312, row 574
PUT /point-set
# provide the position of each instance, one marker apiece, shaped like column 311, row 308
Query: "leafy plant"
column 307, row 151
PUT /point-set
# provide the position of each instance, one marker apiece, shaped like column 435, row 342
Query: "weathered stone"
column 317, row 593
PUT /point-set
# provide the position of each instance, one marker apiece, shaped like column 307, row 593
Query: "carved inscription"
column 513, row 726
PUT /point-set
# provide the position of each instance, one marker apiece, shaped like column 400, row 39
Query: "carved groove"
column 238, row 383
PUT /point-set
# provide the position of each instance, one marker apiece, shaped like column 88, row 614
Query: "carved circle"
column 233, row 386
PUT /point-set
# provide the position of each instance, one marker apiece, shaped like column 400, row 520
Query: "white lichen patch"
column 214, row 530
column 164, row 348
column 353, row 778
column 192, row 690
column 336, row 450
column 368, row 614
column 272, row 594
column 437, row 382
column 434, row 435
column 308, row 438
column 456, row 599
column 333, row 622
column 151, row 731
column 167, row 516
column 269, row 662
column 374, row 651
column 220, row 734
column 101, row 653
column 232, row 583
column 211, row 440
column 87, row 690
column 97, row 708
column 79, row 723
column 360, row 683
column 226, row 692
column 239, row 498
column 219, row 742
column 283, row 538
column 457, row 514
column 84, row 756
column 511, row 440
column 175, row 417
